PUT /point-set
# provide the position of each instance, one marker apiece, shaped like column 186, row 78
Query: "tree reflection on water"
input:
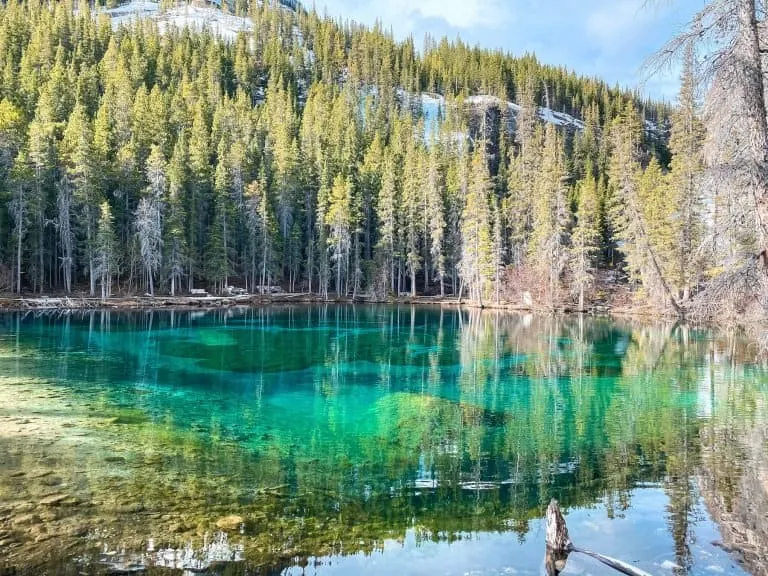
column 332, row 430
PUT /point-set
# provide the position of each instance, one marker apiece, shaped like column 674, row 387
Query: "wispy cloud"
column 615, row 24
column 406, row 15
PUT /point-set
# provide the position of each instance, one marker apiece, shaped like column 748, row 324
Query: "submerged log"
column 560, row 547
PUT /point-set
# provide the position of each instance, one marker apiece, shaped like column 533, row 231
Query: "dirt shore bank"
column 15, row 303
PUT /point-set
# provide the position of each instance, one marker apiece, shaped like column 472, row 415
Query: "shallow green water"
column 374, row 440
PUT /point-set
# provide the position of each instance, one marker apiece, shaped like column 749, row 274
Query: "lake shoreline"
column 69, row 303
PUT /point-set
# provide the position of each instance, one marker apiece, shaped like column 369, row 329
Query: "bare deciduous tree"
column 736, row 149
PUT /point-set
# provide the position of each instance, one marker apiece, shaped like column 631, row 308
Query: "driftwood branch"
column 560, row 547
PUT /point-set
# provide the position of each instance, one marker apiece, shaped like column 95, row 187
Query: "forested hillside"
column 300, row 152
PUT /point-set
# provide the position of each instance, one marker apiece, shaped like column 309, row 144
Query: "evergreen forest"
column 298, row 154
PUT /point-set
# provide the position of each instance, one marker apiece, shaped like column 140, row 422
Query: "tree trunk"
column 91, row 267
column 338, row 277
column 752, row 78
column 18, row 264
column 264, row 263
column 226, row 249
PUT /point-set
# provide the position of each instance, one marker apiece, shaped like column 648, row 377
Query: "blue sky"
column 605, row 38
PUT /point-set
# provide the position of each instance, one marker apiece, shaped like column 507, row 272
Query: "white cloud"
column 616, row 23
column 459, row 13
column 404, row 15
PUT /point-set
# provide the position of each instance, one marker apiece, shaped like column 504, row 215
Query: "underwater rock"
column 40, row 534
column 42, row 474
column 51, row 481
column 53, row 499
column 26, row 519
column 75, row 531
column 24, row 507
column 129, row 508
column 232, row 522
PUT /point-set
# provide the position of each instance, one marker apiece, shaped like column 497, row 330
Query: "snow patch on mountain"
column 190, row 16
column 433, row 104
column 545, row 114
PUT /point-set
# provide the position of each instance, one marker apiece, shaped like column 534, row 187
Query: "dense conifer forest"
column 300, row 154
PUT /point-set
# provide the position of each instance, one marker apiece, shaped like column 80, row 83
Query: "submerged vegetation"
column 391, row 420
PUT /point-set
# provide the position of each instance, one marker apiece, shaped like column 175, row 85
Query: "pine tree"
column 370, row 185
column 261, row 226
column 42, row 161
column 217, row 257
column 497, row 251
column 659, row 215
column 283, row 149
column 687, row 167
column 456, row 186
column 175, row 242
column 340, row 222
column 149, row 217
column 386, row 213
column 626, row 207
column 106, row 250
column 216, row 260
column 19, row 208
column 199, row 193
column 13, row 172
column 323, row 200
column 585, row 240
column 434, row 216
column 66, row 233
column 82, row 175
column 551, row 215
column 412, row 210
column 524, row 168
column 476, row 231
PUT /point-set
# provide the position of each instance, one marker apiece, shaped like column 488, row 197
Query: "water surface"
column 375, row 440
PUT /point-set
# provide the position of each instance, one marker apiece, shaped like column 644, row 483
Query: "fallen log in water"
column 559, row 547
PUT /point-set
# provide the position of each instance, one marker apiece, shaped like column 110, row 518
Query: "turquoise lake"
column 345, row 440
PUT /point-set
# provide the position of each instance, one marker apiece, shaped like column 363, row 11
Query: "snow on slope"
column 546, row 114
column 190, row 16
column 433, row 104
